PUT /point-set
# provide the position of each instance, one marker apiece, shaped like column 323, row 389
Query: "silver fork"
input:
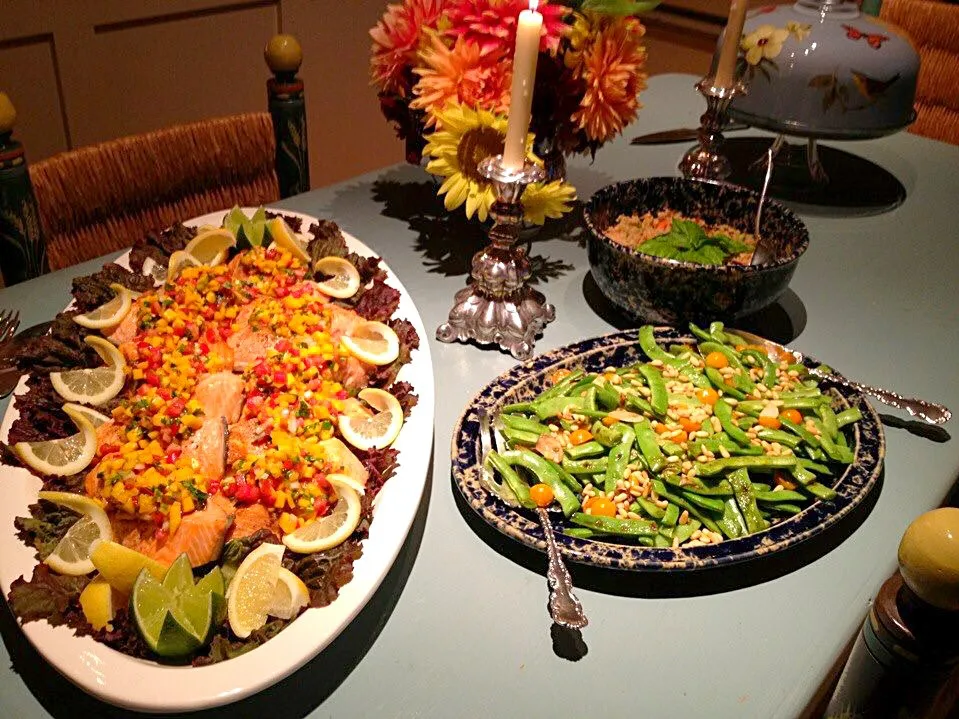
column 9, row 323
column 564, row 608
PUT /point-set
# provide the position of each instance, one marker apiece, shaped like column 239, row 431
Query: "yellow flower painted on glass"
column 799, row 30
column 547, row 199
column 763, row 43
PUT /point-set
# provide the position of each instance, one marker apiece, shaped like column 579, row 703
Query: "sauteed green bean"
column 701, row 443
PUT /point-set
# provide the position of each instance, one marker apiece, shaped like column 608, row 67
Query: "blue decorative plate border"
column 526, row 380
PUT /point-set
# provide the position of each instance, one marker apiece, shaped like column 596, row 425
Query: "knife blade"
column 682, row 134
column 15, row 345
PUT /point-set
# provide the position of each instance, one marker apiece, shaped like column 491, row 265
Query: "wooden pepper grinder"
column 22, row 249
column 288, row 110
column 901, row 662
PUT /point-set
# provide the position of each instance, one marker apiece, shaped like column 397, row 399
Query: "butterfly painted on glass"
column 875, row 40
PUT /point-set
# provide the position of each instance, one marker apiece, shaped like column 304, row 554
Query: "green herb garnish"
column 687, row 241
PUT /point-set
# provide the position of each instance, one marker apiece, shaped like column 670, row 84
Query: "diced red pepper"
column 321, row 507
column 279, row 377
column 176, row 407
column 151, row 378
column 173, row 454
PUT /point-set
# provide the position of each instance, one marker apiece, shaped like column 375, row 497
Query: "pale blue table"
column 460, row 628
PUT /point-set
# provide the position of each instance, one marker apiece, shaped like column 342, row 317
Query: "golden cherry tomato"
column 717, row 360
column 689, row 425
column 601, row 507
column 662, row 428
column 541, row 494
column 609, row 421
column 793, row 415
column 770, row 422
column 707, row 395
column 681, row 437
column 580, row 436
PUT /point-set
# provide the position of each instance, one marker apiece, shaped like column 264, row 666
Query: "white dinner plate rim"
column 109, row 675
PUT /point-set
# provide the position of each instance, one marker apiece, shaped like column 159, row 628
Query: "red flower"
column 491, row 24
column 396, row 40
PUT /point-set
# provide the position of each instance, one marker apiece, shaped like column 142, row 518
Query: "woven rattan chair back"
column 99, row 199
column 934, row 29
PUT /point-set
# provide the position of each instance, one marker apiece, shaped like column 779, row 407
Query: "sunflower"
column 467, row 137
column 461, row 74
column 547, row 199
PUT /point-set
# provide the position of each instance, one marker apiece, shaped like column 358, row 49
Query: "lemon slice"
column 289, row 596
column 96, row 601
column 120, row 566
column 344, row 278
column 353, row 482
column 250, row 594
column 93, row 386
column 347, row 465
column 331, row 530
column 72, row 554
column 61, row 457
column 179, row 261
column 96, row 418
column 110, row 314
column 376, row 430
column 283, row 237
column 210, row 247
column 373, row 342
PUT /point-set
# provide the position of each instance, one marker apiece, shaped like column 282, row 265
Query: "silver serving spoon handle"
column 931, row 412
column 760, row 254
column 564, row 608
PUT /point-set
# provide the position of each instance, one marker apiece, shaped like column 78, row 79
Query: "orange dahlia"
column 610, row 60
column 396, row 40
column 461, row 74
column 491, row 24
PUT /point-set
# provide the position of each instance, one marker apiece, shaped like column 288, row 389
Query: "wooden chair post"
column 288, row 110
column 22, row 248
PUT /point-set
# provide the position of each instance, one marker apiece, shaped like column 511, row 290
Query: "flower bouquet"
column 443, row 70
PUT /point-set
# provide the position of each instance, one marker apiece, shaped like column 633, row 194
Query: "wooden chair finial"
column 283, row 54
column 288, row 110
column 8, row 114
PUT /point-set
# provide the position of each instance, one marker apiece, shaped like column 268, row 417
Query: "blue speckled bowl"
column 661, row 291
column 525, row 381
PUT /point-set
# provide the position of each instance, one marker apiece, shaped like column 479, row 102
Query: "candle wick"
column 533, row 5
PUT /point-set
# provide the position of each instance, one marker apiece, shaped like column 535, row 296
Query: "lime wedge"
column 174, row 616
column 179, row 577
column 214, row 583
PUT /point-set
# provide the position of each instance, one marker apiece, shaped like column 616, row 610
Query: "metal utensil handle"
column 564, row 607
column 930, row 412
column 762, row 196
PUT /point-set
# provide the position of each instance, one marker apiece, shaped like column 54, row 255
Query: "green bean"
column 701, row 333
column 848, row 416
column 732, row 524
column 719, row 383
column 782, row 495
column 579, row 532
column 553, row 406
column 821, row 491
column 764, row 462
column 682, row 532
column 762, row 360
column 711, row 503
column 518, row 421
column 589, row 399
column 695, row 511
column 616, row 467
column 636, row 403
column 751, row 406
column 519, row 488
column 613, row 525
column 659, row 399
column 724, row 412
column 517, row 436
column 663, row 538
column 801, row 392
column 646, row 440
column 647, row 343
column 522, row 407
column 787, row 508
column 650, row 508
column 776, row 435
column 585, row 466
column 586, row 449
column 813, row 466
column 547, row 475
column 806, row 436
column 746, row 500
column 829, row 424
column 803, row 402
column 568, row 479
column 734, row 361
column 608, row 396
column 801, row 474
column 671, row 516
column 563, row 386
column 610, row 436
column 723, row 489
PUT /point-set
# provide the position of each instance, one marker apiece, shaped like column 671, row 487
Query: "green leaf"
column 729, row 245
column 47, row 595
column 619, row 7
column 45, row 526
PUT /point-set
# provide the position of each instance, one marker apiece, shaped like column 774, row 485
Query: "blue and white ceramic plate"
column 525, row 381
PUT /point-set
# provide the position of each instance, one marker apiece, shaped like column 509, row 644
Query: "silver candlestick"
column 706, row 161
column 498, row 306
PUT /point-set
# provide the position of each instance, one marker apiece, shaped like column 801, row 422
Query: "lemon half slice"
column 283, row 237
column 373, row 342
column 179, row 261
column 331, row 530
column 374, row 430
column 344, row 278
column 108, row 315
column 93, row 386
column 290, row 595
column 250, row 594
column 210, row 247
column 61, row 457
column 72, row 554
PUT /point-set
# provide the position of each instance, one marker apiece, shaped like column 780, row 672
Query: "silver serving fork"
column 564, row 608
column 9, row 323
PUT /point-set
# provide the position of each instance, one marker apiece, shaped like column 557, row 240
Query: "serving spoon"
column 930, row 412
column 761, row 254
column 564, row 608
